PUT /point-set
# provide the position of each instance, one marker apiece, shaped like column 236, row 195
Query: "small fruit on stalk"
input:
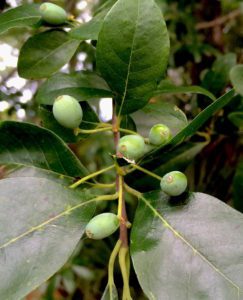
column 159, row 134
column 53, row 14
column 67, row 111
column 131, row 146
column 102, row 226
column 174, row 183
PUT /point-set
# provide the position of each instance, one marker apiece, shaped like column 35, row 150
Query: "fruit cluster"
column 68, row 113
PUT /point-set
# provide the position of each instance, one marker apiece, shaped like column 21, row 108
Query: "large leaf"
column 41, row 223
column 191, row 251
column 166, row 87
column 176, row 159
column 24, row 144
column 236, row 77
column 45, row 53
column 80, row 85
column 90, row 121
column 133, row 60
column 22, row 16
column 154, row 156
column 160, row 112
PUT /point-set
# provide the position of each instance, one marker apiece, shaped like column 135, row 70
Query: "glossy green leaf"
column 190, row 251
column 45, row 53
column 236, row 118
column 21, row 16
column 236, row 77
column 166, row 87
column 24, row 144
column 90, row 121
column 110, row 294
column 160, row 112
column 238, row 187
column 191, row 128
column 176, row 159
column 217, row 77
column 133, row 60
column 80, row 85
column 41, row 223
column 91, row 29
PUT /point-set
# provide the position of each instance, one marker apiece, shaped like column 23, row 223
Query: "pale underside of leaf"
column 41, row 223
column 183, row 248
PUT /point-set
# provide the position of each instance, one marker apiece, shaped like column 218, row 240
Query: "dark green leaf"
column 41, row 223
column 80, row 85
column 166, row 87
column 22, row 16
column 236, row 77
column 160, row 112
column 91, row 29
column 190, row 129
column 90, row 121
column 133, row 60
column 45, row 53
column 236, row 118
column 218, row 77
column 191, row 251
column 24, row 144
column 176, row 159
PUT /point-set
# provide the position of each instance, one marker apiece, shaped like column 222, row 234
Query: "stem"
column 128, row 131
column 90, row 131
column 82, row 180
column 111, row 266
column 106, row 197
column 146, row 172
column 120, row 196
column 125, row 273
column 99, row 185
column 132, row 191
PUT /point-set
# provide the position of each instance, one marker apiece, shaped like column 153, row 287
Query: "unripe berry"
column 67, row 111
column 159, row 134
column 52, row 13
column 174, row 183
column 131, row 146
column 101, row 226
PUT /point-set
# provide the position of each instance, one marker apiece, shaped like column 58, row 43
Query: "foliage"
column 56, row 179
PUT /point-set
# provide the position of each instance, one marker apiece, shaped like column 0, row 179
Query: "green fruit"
column 159, row 134
column 101, row 226
column 67, row 111
column 174, row 183
column 52, row 13
column 131, row 146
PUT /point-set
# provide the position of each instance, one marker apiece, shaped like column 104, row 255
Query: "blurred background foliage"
column 206, row 42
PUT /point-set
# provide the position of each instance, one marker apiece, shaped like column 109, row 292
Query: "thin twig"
column 219, row 21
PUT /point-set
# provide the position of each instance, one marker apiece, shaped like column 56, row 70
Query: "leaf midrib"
column 20, row 19
column 130, row 61
column 185, row 241
column 50, row 54
column 45, row 223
